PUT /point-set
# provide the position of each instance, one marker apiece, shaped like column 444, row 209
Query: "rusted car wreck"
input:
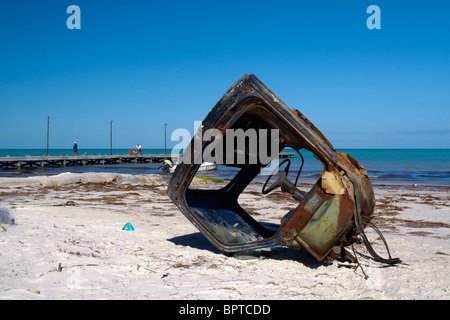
column 328, row 218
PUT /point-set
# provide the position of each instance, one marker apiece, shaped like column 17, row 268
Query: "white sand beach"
column 67, row 242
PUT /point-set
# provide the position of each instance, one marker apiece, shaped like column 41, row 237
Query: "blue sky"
column 146, row 63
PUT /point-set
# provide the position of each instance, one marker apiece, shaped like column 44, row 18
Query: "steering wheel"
column 280, row 180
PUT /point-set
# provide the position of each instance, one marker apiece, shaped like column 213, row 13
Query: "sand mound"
column 88, row 177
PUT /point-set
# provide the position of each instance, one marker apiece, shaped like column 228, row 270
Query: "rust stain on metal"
column 327, row 218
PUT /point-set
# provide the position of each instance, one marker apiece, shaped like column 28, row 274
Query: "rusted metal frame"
column 310, row 135
column 273, row 108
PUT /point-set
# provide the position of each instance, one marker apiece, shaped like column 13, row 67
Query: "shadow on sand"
column 198, row 241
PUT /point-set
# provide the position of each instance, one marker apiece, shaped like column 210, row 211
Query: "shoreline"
column 217, row 174
column 67, row 243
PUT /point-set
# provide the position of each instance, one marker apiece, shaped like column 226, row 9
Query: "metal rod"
column 48, row 129
column 165, row 147
column 110, row 134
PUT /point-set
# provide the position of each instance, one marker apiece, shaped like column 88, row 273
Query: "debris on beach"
column 6, row 216
column 69, row 203
column 329, row 217
column 128, row 227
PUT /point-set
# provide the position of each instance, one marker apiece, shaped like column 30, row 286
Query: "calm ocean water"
column 384, row 165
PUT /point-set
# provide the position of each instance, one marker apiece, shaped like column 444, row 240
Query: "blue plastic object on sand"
column 128, row 227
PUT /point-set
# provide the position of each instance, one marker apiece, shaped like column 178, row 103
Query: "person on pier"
column 138, row 149
column 75, row 149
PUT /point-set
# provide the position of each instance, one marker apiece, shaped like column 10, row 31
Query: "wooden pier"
column 82, row 160
column 88, row 160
